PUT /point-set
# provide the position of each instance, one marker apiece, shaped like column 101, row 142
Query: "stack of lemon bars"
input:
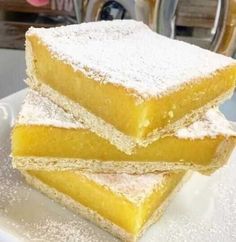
column 116, row 117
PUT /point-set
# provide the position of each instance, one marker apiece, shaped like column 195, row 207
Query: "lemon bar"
column 46, row 137
column 124, row 205
column 129, row 84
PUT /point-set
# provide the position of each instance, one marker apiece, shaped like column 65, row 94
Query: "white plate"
column 204, row 210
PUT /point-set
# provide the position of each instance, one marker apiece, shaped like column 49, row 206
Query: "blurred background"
column 206, row 23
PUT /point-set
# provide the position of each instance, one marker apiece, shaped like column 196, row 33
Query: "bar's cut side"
column 43, row 130
column 129, row 76
column 123, row 204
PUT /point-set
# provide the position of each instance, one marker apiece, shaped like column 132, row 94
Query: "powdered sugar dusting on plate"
column 204, row 210
column 129, row 54
column 70, row 230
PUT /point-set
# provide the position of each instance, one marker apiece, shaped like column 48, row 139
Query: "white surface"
column 229, row 108
column 204, row 210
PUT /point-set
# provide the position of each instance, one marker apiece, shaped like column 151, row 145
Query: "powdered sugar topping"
column 134, row 188
column 38, row 110
column 129, row 54
column 212, row 124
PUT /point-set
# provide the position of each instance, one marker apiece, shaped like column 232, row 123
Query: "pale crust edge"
column 132, row 167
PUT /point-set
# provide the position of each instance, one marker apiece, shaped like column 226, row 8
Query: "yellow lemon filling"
column 116, row 207
column 48, row 141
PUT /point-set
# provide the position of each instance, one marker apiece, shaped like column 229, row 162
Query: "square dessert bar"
column 45, row 137
column 124, row 205
column 127, row 83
